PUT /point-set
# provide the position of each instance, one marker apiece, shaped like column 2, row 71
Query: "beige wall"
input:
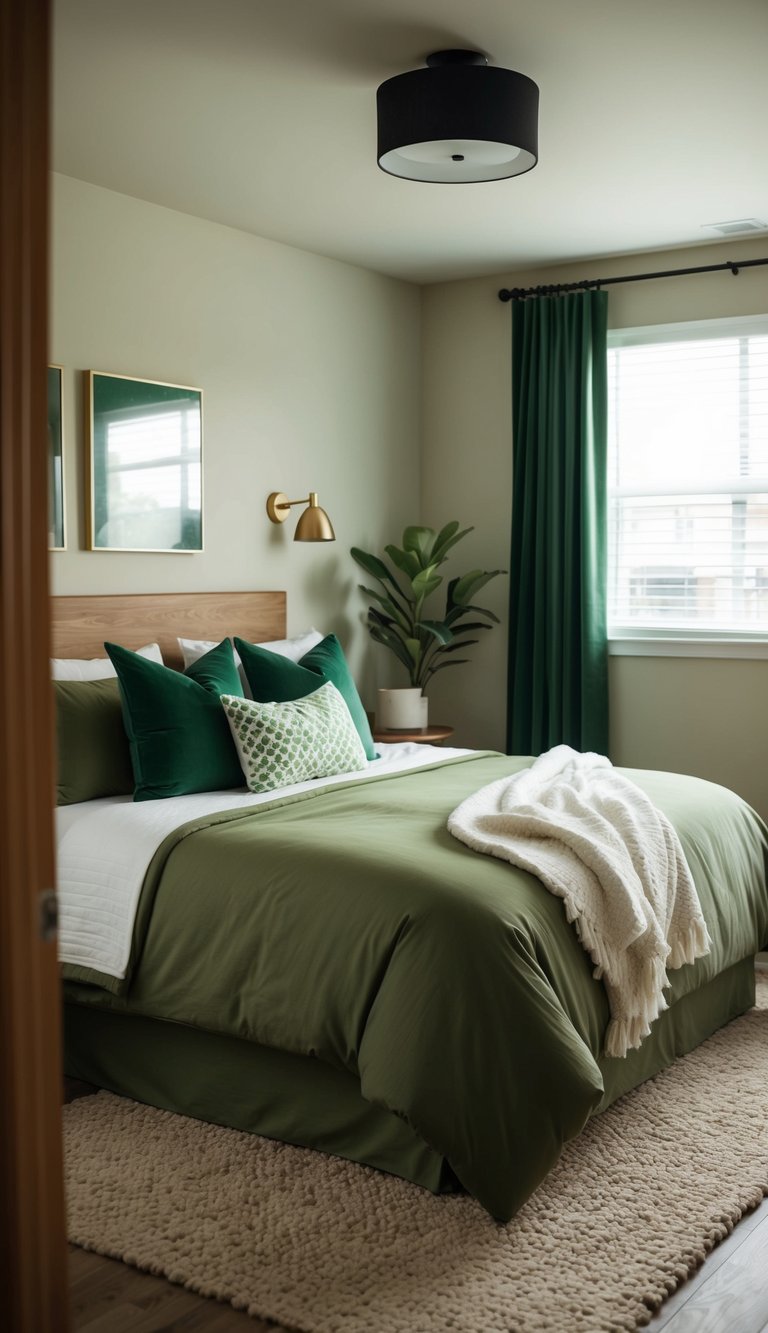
column 703, row 716
column 310, row 372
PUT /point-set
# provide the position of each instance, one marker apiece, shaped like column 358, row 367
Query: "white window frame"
column 636, row 642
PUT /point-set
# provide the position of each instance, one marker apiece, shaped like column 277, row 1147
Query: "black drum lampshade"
column 459, row 120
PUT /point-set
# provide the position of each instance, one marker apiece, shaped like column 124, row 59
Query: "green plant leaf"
column 441, row 666
column 446, row 532
column 437, row 629
column 451, row 617
column 391, row 641
column 379, row 618
column 455, row 609
column 426, row 581
column 469, row 626
column 471, row 583
column 389, row 606
column 421, row 541
column 408, row 561
column 373, row 565
column 458, row 643
column 449, row 598
column 443, row 546
column 414, row 648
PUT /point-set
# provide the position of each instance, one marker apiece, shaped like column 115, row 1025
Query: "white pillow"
column 96, row 668
column 192, row 649
column 282, row 743
column 294, row 649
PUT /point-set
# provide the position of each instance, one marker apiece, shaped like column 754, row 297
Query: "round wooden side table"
column 421, row 735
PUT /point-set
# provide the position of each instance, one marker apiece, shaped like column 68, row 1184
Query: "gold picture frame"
column 144, row 465
column 57, row 521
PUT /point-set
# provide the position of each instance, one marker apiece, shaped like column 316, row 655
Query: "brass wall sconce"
column 314, row 524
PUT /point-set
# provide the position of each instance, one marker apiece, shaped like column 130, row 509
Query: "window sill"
column 650, row 647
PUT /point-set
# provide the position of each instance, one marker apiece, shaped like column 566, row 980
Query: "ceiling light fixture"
column 314, row 524
column 459, row 120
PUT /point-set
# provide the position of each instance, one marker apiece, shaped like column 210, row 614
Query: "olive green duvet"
column 346, row 925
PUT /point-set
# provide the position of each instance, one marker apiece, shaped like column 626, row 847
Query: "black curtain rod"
column 590, row 284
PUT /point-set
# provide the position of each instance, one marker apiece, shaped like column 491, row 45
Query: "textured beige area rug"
column 327, row 1247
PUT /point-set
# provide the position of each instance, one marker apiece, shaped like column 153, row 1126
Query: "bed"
column 330, row 968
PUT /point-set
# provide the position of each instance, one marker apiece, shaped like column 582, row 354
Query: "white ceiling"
column 261, row 114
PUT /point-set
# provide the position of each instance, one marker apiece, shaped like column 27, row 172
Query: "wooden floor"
column 109, row 1297
column 729, row 1293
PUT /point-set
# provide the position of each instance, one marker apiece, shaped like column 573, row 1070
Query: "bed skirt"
column 301, row 1100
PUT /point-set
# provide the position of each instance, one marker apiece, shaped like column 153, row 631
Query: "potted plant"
column 401, row 621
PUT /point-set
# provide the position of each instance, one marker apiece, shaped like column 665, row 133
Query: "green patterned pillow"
column 281, row 743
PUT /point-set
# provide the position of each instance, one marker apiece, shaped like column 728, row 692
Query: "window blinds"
column 688, row 479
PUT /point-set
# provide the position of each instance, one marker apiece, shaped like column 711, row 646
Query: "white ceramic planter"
column 401, row 710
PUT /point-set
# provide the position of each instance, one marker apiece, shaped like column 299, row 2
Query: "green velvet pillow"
column 179, row 735
column 93, row 752
column 273, row 679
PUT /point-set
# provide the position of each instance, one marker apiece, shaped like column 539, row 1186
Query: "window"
column 688, row 481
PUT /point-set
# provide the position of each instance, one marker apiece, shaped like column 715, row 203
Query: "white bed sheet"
column 105, row 847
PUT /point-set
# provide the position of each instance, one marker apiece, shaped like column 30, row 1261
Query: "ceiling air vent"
column 738, row 227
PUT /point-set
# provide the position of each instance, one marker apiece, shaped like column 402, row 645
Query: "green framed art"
column 56, row 521
column 144, row 468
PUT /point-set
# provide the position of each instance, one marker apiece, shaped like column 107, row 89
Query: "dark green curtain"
column 558, row 654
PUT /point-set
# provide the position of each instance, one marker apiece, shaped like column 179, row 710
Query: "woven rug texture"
column 324, row 1246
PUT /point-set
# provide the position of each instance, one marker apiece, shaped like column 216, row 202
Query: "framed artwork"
column 145, row 455
column 56, row 532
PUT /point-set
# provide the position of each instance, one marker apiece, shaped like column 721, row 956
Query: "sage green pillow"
column 180, row 740
column 282, row 743
column 94, row 757
column 273, row 679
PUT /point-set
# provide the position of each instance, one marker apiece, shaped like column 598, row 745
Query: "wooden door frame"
column 33, row 1276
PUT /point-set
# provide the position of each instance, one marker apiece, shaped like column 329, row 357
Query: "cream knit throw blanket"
column 595, row 840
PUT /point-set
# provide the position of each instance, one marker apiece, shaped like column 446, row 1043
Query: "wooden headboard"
column 79, row 625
